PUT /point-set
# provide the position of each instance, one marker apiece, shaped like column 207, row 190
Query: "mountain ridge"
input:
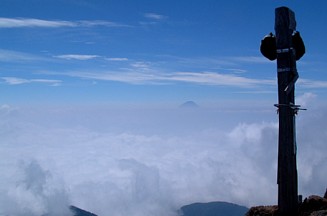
column 80, row 212
column 215, row 208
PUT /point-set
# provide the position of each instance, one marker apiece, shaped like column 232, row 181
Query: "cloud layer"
column 146, row 161
column 33, row 191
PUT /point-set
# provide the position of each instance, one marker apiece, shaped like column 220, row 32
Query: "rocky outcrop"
column 262, row 211
column 319, row 213
column 311, row 206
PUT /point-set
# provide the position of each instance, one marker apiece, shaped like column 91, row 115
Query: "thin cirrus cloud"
column 89, row 57
column 148, row 76
column 41, row 23
column 77, row 57
column 116, row 59
column 154, row 16
column 15, row 56
column 19, row 81
column 211, row 78
column 312, row 83
column 249, row 59
column 201, row 78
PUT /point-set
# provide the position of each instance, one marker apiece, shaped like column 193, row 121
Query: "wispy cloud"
column 77, row 57
column 155, row 77
column 18, row 81
column 212, row 78
column 41, row 23
column 249, row 59
column 28, row 22
column 15, row 56
column 126, row 77
column 141, row 65
column 307, row 83
column 232, row 64
column 116, row 59
column 9, row 55
column 154, row 16
column 306, row 98
column 91, row 23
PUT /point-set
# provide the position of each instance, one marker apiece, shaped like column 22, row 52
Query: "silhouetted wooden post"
column 285, row 25
column 287, row 47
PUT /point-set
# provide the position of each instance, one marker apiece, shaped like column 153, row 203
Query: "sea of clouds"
column 150, row 161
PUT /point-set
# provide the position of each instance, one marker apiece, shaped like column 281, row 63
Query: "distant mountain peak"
column 189, row 104
column 214, row 209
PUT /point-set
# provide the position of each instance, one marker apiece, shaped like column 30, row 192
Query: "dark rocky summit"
column 311, row 206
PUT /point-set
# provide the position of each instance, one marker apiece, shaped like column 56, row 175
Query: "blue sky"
column 149, row 51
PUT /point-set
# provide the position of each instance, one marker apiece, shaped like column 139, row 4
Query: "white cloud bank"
column 33, row 192
column 136, row 161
